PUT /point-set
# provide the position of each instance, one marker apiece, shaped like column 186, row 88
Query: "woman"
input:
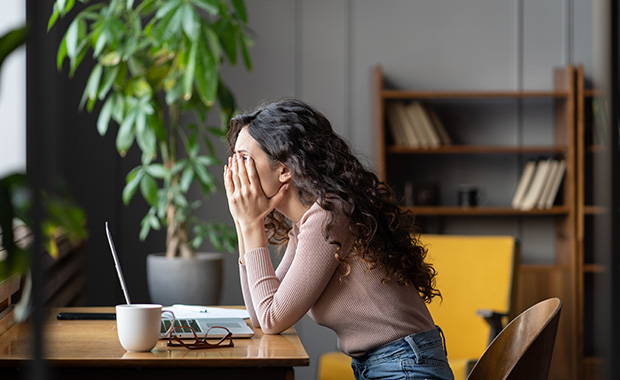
column 351, row 262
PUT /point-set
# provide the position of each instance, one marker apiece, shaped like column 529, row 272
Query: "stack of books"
column 539, row 184
column 416, row 125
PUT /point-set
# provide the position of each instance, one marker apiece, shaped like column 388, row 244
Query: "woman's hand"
column 247, row 202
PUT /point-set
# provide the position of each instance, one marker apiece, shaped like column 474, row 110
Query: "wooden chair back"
column 524, row 348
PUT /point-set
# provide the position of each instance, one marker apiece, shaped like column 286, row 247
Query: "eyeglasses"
column 202, row 343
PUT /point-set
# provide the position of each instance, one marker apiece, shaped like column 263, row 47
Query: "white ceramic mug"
column 139, row 325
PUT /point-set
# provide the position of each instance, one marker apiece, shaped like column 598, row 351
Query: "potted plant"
column 155, row 63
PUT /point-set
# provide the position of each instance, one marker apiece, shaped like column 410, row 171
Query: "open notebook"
column 237, row 326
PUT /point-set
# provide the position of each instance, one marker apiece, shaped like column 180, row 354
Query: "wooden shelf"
column 405, row 94
column 596, row 149
column 594, row 268
column 479, row 149
column 590, row 93
column 488, row 211
column 594, row 210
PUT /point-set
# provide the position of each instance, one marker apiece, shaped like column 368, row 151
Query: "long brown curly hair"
column 325, row 171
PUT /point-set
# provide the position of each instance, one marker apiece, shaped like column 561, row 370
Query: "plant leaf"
column 208, row 160
column 207, row 78
column 53, row 17
column 118, row 110
column 191, row 23
column 148, row 187
column 168, row 26
column 206, row 179
column 240, row 10
column 101, row 41
column 92, row 86
column 228, row 39
column 61, row 5
column 158, row 171
column 209, row 6
column 157, row 125
column 145, row 137
column 81, row 50
column 71, row 38
column 246, row 42
column 174, row 93
column 167, row 8
column 62, row 53
column 103, row 121
column 145, row 227
column 188, row 75
column 126, row 133
column 109, row 77
column 133, row 180
column 186, row 178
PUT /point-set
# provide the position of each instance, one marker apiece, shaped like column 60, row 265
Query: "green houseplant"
column 157, row 62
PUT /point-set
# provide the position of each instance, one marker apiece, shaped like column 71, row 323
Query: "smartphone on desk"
column 86, row 316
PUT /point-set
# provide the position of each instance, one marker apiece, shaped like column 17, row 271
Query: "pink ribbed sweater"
column 362, row 311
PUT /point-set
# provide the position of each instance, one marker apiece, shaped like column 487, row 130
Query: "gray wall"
column 322, row 51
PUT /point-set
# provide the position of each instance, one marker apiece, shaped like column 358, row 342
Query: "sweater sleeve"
column 280, row 273
column 247, row 296
column 280, row 302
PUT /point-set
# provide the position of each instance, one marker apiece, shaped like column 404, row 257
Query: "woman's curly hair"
column 325, row 171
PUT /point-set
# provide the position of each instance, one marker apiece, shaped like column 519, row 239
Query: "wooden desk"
column 76, row 349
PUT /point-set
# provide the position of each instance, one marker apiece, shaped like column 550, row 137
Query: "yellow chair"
column 335, row 365
column 476, row 276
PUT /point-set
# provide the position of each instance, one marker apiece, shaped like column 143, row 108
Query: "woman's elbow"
column 271, row 328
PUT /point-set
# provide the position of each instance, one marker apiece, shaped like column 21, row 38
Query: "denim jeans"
column 418, row 356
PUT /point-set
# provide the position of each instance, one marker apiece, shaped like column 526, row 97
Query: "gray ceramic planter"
column 196, row 281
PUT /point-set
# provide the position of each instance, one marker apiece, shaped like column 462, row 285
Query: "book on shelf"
column 413, row 136
column 395, row 124
column 532, row 195
column 539, row 184
column 524, row 183
column 436, row 122
column 555, row 182
column 415, row 125
column 544, row 193
column 422, row 124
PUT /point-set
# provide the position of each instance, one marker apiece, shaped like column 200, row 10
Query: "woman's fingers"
column 235, row 173
column 242, row 172
column 251, row 170
column 228, row 184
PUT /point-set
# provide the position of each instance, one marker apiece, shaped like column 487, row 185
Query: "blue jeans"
column 417, row 356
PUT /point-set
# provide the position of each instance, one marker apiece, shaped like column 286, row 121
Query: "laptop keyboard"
column 165, row 325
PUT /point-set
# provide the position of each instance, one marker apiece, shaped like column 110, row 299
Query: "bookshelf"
column 588, row 147
column 396, row 164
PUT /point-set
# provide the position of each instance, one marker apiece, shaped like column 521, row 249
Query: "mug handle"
column 173, row 321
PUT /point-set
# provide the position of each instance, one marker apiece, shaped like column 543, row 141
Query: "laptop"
column 236, row 325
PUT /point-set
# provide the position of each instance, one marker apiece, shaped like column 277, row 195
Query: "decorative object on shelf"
column 156, row 63
column 469, row 195
column 421, row 194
